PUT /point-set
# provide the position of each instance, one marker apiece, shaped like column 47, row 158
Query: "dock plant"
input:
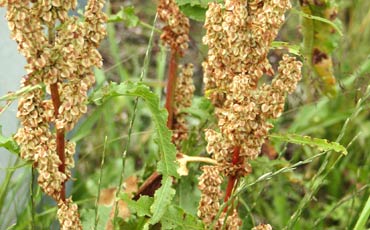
column 239, row 35
column 60, row 51
column 214, row 131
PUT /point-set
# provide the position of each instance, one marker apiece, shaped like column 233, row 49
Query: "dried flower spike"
column 182, row 99
column 61, row 59
column 238, row 35
column 176, row 32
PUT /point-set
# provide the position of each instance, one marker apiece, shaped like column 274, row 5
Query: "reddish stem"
column 171, row 85
column 232, row 178
column 60, row 136
column 149, row 187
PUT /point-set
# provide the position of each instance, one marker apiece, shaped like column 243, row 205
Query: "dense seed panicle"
column 182, row 99
column 63, row 57
column 176, row 31
column 238, row 36
column 209, row 185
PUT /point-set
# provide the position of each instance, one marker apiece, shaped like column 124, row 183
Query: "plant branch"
column 183, row 160
column 150, row 185
column 60, row 142
column 233, row 178
column 171, row 86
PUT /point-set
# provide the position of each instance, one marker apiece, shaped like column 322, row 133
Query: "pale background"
column 11, row 71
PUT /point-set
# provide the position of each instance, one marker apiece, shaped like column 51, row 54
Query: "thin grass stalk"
column 132, row 121
column 15, row 95
column 161, row 66
column 32, row 199
column 114, row 48
column 99, row 185
column 323, row 171
column 364, row 216
column 243, row 186
column 339, row 203
column 4, row 191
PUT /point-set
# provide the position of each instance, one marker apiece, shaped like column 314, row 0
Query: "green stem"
column 99, row 185
column 114, row 48
column 32, row 203
column 124, row 153
column 364, row 216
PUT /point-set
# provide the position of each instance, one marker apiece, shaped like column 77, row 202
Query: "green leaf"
column 87, row 125
column 195, row 9
column 194, row 12
column 177, row 218
column 99, row 77
column 8, row 143
column 167, row 165
column 162, row 199
column 134, row 223
column 88, row 217
column 294, row 49
column 321, row 144
column 321, row 19
column 201, row 3
column 125, row 15
column 140, row 207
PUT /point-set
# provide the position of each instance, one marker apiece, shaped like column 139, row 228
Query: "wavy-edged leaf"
column 88, row 215
column 167, row 165
column 321, row 144
column 177, row 218
column 194, row 12
column 125, row 15
column 141, row 207
column 194, row 9
column 162, row 199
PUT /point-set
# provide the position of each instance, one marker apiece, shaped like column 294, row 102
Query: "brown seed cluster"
column 61, row 58
column 182, row 99
column 68, row 215
column 239, row 34
column 209, row 185
column 233, row 222
column 176, row 32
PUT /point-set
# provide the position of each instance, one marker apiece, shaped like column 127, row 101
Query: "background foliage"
column 302, row 183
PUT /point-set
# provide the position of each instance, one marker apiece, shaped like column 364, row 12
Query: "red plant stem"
column 232, row 178
column 60, row 136
column 171, row 85
column 150, row 185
